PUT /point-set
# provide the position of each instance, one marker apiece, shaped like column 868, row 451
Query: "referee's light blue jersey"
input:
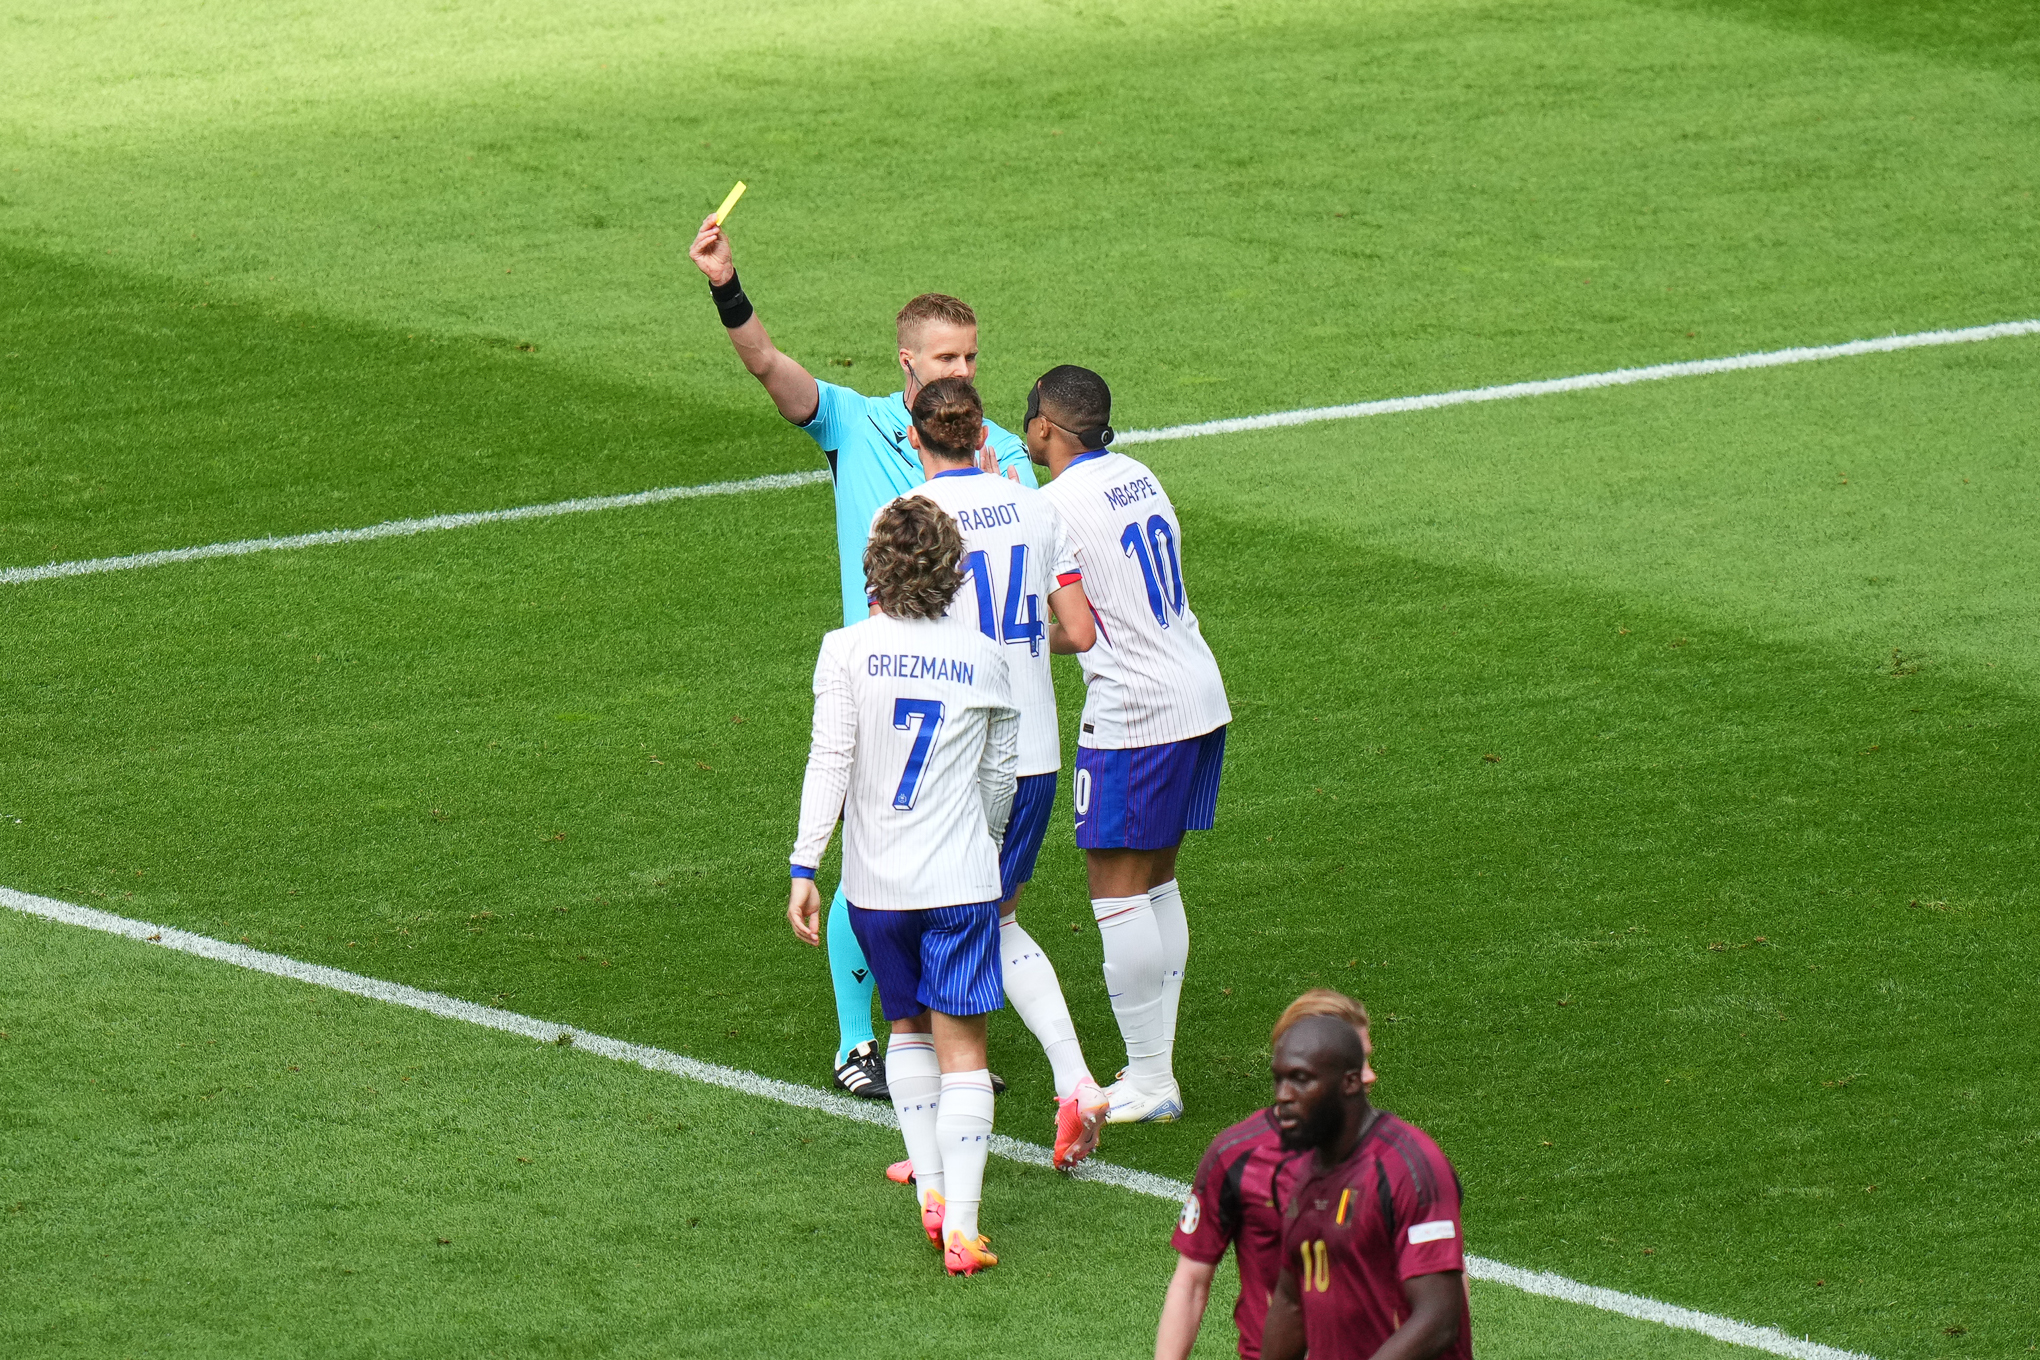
column 865, row 440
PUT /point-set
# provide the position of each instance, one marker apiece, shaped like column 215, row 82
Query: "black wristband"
column 730, row 301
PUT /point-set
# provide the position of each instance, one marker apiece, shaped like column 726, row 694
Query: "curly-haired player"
column 1024, row 590
column 916, row 739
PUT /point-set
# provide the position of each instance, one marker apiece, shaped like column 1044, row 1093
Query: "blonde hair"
column 915, row 316
column 1320, row 1001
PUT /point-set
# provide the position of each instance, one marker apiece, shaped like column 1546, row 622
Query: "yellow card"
column 728, row 203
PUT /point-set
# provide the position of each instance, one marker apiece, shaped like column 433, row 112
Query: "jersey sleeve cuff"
column 1069, row 578
column 808, row 425
column 803, row 871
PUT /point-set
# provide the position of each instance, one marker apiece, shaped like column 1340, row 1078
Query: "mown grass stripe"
column 1768, row 1339
column 1620, row 377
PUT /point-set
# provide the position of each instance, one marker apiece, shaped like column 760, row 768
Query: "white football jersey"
column 1015, row 555
column 915, row 744
column 1151, row 677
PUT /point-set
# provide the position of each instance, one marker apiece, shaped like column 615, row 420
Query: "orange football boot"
column 1077, row 1120
column 967, row 1258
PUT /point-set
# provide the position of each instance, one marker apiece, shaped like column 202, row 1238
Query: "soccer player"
column 1152, row 739
column 1373, row 1261
column 1015, row 559
column 1242, row 1187
column 915, row 744
column 865, row 442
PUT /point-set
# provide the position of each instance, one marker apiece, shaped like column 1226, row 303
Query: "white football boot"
column 1131, row 1105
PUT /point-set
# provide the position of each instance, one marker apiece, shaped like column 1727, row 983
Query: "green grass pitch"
column 1714, row 983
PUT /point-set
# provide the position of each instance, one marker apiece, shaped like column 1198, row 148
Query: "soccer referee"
column 865, row 442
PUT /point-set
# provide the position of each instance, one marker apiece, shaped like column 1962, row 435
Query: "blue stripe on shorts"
column 1146, row 797
column 1033, row 800
column 939, row 959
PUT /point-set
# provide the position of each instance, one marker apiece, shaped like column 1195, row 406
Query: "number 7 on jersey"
column 904, row 712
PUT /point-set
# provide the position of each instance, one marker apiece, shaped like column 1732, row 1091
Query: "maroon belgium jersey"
column 1387, row 1213
column 1241, row 1186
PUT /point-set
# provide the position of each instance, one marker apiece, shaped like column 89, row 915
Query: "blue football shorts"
column 1146, row 797
column 1032, row 802
column 938, row 959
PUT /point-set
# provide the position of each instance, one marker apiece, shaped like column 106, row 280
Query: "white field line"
column 399, row 528
column 1620, row 377
column 866, row 1112
column 1507, row 392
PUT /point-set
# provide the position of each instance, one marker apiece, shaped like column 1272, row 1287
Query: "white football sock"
column 1167, row 901
column 1032, row 988
column 916, row 1082
column 964, row 1130
column 1133, row 979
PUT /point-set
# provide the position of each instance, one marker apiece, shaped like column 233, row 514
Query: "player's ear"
column 914, row 437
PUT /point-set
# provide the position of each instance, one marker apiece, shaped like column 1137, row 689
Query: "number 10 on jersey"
column 1317, row 1271
column 1153, row 545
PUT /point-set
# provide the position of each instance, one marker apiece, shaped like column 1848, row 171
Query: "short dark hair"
column 915, row 316
column 950, row 417
column 1330, row 1033
column 911, row 565
column 1078, row 400
column 1321, row 1001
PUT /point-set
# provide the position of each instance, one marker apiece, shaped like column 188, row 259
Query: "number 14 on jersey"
column 1021, row 621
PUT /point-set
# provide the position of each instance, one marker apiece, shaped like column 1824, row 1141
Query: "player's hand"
column 988, row 458
column 804, row 910
column 711, row 252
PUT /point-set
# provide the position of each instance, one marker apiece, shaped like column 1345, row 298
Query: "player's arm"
column 1436, row 1302
column 1075, row 628
column 831, row 748
column 1183, row 1308
column 1430, row 1261
column 1282, row 1337
column 791, row 387
column 998, row 769
column 1074, row 624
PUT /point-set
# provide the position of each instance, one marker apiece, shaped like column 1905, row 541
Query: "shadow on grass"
column 1698, row 953
column 142, row 414
column 1724, row 934
column 1993, row 34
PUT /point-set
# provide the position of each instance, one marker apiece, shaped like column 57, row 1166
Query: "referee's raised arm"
column 791, row 387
